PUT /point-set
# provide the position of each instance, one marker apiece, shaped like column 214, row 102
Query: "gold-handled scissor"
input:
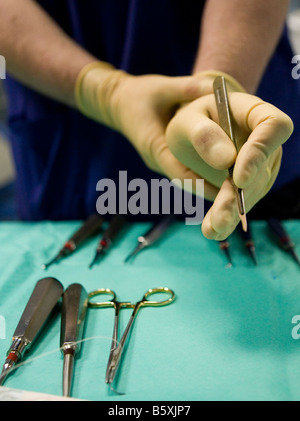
column 117, row 347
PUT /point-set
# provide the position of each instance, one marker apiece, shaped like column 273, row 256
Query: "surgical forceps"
column 117, row 348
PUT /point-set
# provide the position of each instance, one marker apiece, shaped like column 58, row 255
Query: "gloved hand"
column 195, row 137
column 139, row 107
column 190, row 145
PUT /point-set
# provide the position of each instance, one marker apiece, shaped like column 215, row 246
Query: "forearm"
column 37, row 52
column 239, row 38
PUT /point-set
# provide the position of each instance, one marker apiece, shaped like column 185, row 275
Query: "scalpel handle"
column 90, row 227
column 42, row 301
column 225, row 122
column 74, row 307
column 158, row 229
column 115, row 226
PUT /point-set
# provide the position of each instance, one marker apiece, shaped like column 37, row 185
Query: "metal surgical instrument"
column 248, row 241
column 152, row 235
column 225, row 247
column 43, row 299
column 284, row 239
column 118, row 347
column 116, row 225
column 73, row 313
column 89, row 228
column 225, row 121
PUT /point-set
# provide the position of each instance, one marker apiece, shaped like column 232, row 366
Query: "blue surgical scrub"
column 60, row 155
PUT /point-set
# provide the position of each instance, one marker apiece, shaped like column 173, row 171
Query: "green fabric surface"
column 227, row 336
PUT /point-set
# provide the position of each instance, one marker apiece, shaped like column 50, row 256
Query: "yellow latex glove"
column 190, row 144
column 139, row 107
column 195, row 138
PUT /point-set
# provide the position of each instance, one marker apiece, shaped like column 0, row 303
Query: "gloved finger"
column 264, row 180
column 222, row 218
column 269, row 128
column 180, row 89
column 192, row 129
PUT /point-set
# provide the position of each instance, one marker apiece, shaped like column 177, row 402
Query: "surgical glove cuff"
column 94, row 88
column 207, row 78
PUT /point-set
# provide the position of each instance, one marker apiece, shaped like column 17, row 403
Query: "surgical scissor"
column 117, row 348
